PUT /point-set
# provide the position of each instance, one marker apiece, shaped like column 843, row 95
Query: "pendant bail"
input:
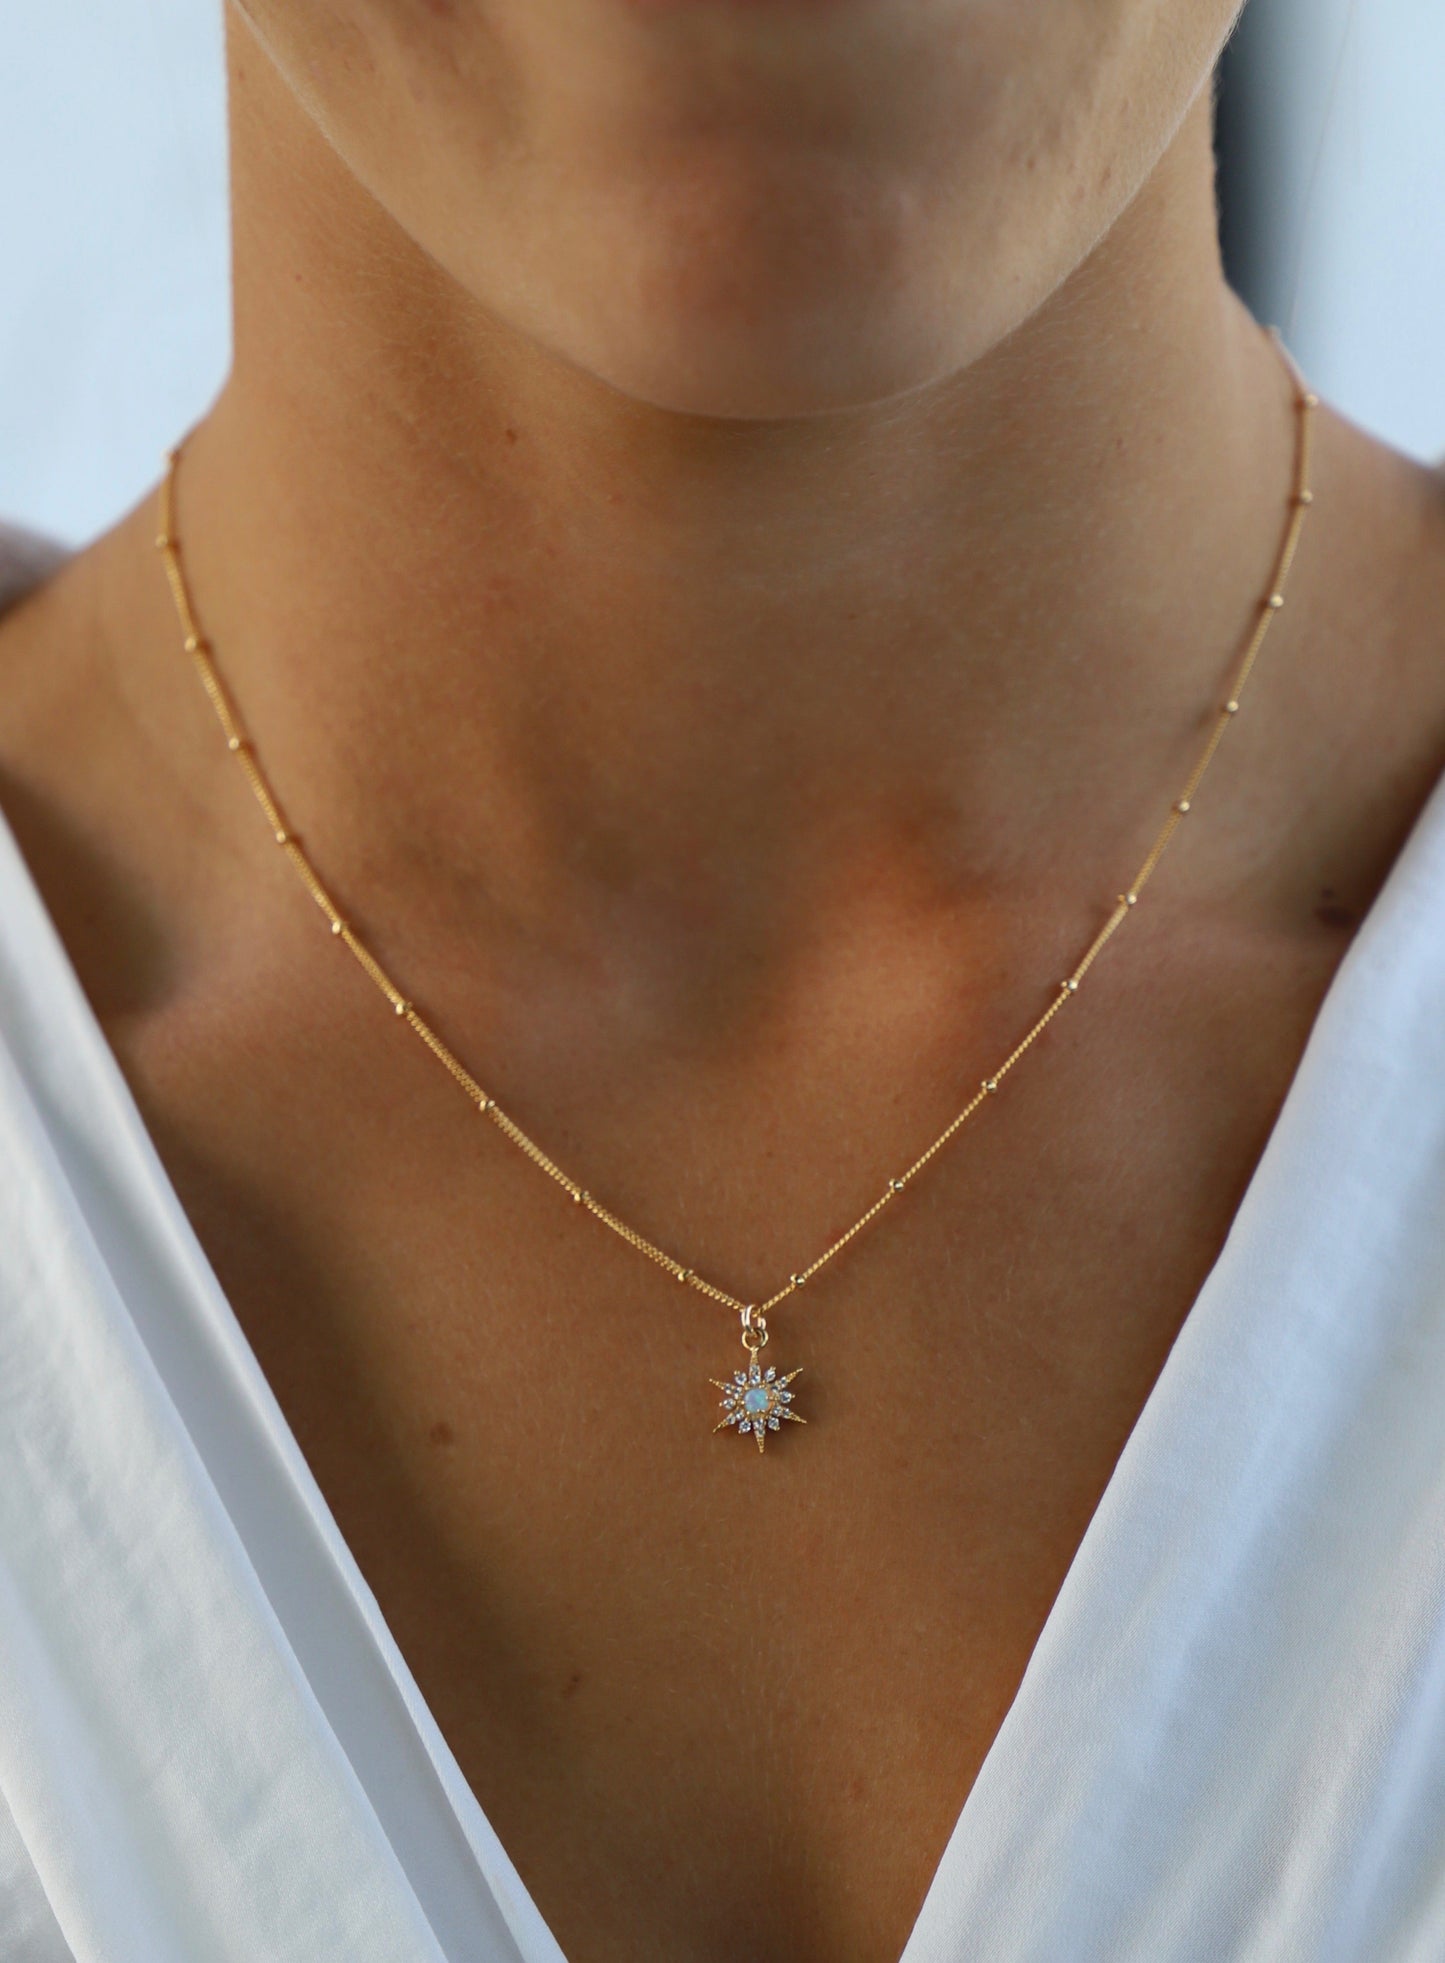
column 755, row 1328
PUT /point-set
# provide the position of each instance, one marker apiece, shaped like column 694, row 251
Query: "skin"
column 728, row 524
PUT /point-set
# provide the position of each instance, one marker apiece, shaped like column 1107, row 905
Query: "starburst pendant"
column 757, row 1401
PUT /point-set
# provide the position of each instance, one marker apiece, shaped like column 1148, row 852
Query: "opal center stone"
column 755, row 1399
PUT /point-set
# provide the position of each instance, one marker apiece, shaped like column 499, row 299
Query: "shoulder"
column 27, row 559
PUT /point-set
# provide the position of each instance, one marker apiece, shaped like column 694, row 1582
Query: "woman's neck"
column 518, row 635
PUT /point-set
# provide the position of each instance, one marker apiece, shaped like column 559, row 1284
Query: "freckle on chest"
column 1333, row 913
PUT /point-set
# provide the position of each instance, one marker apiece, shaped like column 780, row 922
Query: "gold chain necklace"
column 756, row 1400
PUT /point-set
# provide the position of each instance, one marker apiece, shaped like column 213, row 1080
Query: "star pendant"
column 757, row 1401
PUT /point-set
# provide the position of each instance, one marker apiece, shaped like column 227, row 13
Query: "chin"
column 778, row 366
column 770, row 300
column 745, row 212
column 768, row 361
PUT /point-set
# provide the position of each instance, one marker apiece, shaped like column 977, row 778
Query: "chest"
column 663, row 1659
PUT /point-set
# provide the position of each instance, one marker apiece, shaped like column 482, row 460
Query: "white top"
column 1229, row 1746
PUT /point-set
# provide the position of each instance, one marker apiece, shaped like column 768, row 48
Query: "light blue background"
column 114, row 325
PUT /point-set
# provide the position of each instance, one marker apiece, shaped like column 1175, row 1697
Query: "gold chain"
column 753, row 1314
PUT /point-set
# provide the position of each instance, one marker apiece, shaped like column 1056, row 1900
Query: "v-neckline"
column 931, row 1938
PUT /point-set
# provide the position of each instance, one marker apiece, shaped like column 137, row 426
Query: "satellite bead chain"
column 755, row 1401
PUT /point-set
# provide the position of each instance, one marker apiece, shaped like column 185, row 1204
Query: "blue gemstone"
column 755, row 1399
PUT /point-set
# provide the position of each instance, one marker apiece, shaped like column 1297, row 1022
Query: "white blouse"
column 1228, row 1747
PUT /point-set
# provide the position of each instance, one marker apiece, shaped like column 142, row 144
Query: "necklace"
column 756, row 1399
